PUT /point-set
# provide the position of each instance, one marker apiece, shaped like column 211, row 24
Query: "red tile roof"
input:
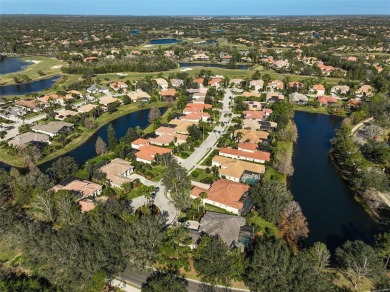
column 225, row 192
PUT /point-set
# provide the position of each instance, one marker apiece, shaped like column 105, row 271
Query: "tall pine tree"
column 112, row 140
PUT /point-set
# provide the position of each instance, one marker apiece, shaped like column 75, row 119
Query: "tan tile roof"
column 252, row 136
column 259, row 155
column 115, row 169
column 168, row 92
column 85, row 187
column 86, row 108
column 236, row 168
column 162, row 140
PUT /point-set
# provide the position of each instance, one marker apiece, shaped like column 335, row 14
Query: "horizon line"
column 189, row 15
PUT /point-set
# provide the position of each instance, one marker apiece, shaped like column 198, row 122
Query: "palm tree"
column 203, row 196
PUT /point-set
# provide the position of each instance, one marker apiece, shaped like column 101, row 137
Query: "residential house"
column 276, row 85
column 298, row 98
column 237, row 170
column 169, row 93
column 250, row 94
column 181, row 126
column 139, row 95
column 118, row 171
column 274, row 97
column 176, row 82
column 280, row 64
column 364, row 90
column 267, row 126
column 236, row 81
column 200, row 57
column 326, row 100
column 254, row 156
column 253, row 105
column 195, row 108
column 257, row 84
column 118, row 85
column 53, row 128
column 86, row 108
column 250, row 124
column 83, row 188
column 29, row 138
column 63, row 114
column 215, row 82
column 147, row 153
column 225, row 194
column 54, row 99
column 196, row 117
column 162, row 83
column 318, row 89
column 93, row 89
column 139, row 143
column 28, row 104
column 199, row 81
column 353, row 104
column 163, row 140
column 13, row 113
column 251, row 136
column 227, row 227
column 340, row 89
column 295, row 85
column 106, row 100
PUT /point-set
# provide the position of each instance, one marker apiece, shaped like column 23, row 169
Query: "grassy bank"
column 86, row 134
column 44, row 64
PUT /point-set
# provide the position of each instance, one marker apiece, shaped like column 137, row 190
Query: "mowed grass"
column 272, row 174
column 45, row 65
column 85, row 135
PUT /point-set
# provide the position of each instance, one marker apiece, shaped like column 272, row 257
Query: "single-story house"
column 254, row 156
column 24, row 139
column 224, row 194
column 118, row 85
column 168, row 93
column 118, row 171
column 97, row 89
column 63, row 114
column 162, row 83
column 86, row 108
column 253, row 105
column 147, row 153
column 251, row 136
column 53, row 128
column 267, row 126
column 139, row 95
column 195, row 108
column 138, row 143
column 176, row 82
column 326, row 100
column 318, row 89
column 257, row 84
column 196, row 117
column 82, row 188
column 106, row 100
column 237, row 170
column 298, row 98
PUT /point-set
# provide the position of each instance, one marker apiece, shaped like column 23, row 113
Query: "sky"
column 196, row 7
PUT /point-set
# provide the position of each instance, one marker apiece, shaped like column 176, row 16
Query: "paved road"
column 161, row 201
column 15, row 130
column 136, row 279
column 212, row 139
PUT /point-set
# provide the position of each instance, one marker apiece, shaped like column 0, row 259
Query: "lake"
column 164, row 41
column 29, row 87
column 212, row 65
column 12, row 65
column 331, row 211
column 87, row 150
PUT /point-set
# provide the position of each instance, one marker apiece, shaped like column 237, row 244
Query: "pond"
column 12, row 65
column 334, row 216
column 87, row 150
column 213, row 65
column 29, row 87
column 164, row 41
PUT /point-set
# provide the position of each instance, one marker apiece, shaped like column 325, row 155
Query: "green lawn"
column 262, row 224
column 285, row 145
column 200, row 175
column 271, row 173
column 85, row 135
column 319, row 110
column 45, row 65
column 213, row 208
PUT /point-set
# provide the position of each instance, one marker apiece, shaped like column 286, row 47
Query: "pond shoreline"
column 82, row 141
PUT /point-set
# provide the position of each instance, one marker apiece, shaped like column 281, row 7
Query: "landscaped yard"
column 200, row 175
column 262, row 225
column 271, row 173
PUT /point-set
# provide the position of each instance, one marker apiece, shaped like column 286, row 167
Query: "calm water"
column 332, row 213
column 87, row 150
column 11, row 65
column 164, row 41
column 30, row 87
column 240, row 67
